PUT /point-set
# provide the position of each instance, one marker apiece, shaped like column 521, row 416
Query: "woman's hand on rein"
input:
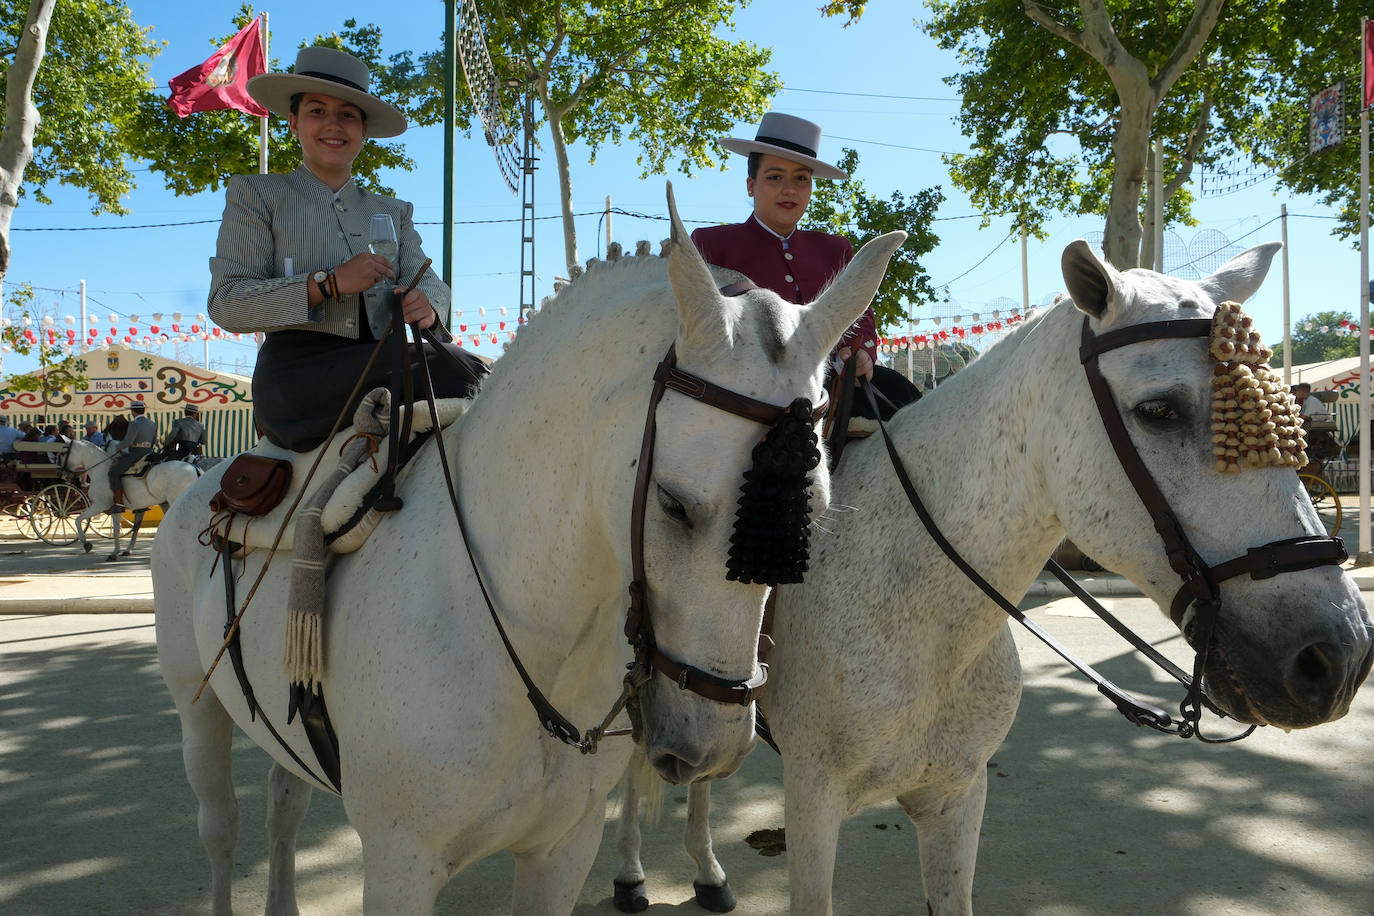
column 362, row 272
column 415, row 308
column 863, row 369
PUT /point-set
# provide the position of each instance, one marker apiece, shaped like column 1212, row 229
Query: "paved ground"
column 1086, row 814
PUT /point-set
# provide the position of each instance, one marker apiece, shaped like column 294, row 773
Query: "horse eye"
column 672, row 507
column 1156, row 411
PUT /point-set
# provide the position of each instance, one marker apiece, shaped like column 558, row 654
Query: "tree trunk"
column 560, row 156
column 21, row 117
column 1131, row 154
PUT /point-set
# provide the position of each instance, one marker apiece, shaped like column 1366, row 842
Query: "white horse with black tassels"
column 894, row 676
column 443, row 759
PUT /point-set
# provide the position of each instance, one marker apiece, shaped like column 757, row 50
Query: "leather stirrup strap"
column 836, row 427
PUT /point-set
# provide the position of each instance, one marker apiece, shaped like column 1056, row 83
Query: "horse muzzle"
column 1309, row 681
column 687, row 738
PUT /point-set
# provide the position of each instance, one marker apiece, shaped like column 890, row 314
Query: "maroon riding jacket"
column 797, row 269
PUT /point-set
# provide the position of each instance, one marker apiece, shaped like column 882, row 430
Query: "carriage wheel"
column 16, row 515
column 55, row 512
column 1324, row 500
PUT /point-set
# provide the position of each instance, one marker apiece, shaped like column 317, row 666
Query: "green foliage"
column 203, row 151
column 56, row 371
column 1318, row 338
column 1041, row 113
column 618, row 71
column 846, row 208
column 88, row 91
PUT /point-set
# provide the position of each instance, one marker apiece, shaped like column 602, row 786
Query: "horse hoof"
column 112, row 558
column 631, row 897
column 88, row 547
column 716, row 899
column 124, row 554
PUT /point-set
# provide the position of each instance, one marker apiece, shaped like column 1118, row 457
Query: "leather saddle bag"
column 252, row 485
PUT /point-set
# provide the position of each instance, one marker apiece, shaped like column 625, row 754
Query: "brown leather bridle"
column 639, row 628
column 1201, row 581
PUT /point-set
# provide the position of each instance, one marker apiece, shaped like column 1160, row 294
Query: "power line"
column 919, row 149
column 877, row 95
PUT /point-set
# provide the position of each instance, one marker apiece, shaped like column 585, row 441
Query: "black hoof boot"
column 631, row 898
column 716, row 899
column 89, row 546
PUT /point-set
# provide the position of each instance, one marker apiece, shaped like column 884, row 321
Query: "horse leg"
column 948, row 840
column 630, row 895
column 83, row 524
column 133, row 535
column 813, row 816
column 115, row 518
column 547, row 880
column 400, row 876
column 206, row 734
column 710, row 886
column 288, row 798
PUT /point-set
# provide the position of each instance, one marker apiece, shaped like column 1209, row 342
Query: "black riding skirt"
column 303, row 379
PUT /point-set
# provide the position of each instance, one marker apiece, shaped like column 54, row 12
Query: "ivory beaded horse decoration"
column 443, row 761
column 894, row 677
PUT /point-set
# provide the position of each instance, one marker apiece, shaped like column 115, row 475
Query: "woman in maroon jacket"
column 769, row 249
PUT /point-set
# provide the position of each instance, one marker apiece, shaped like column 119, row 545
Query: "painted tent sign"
column 116, row 377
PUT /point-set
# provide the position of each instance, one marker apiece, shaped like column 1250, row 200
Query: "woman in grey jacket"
column 292, row 259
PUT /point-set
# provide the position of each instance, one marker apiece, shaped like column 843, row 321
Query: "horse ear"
column 699, row 303
column 845, row 299
column 1091, row 281
column 1238, row 278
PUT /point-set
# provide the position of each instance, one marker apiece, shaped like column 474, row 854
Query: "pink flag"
column 1368, row 62
column 222, row 81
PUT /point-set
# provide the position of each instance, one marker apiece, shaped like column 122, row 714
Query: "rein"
column 638, row 627
column 1200, row 581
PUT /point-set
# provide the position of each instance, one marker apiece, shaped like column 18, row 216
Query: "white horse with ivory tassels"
column 444, row 762
column 163, row 483
column 895, row 677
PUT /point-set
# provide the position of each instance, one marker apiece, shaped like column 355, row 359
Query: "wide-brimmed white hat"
column 789, row 137
column 328, row 72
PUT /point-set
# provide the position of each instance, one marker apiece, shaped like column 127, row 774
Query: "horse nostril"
column 1316, row 667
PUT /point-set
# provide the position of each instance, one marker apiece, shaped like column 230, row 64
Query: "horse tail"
column 653, row 790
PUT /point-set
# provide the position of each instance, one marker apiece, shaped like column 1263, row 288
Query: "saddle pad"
column 262, row 531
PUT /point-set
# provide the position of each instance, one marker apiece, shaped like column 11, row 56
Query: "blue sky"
column 875, row 87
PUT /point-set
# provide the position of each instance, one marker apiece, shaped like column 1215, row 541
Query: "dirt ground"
column 1086, row 814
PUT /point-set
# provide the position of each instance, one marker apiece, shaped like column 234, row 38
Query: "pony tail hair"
column 771, row 541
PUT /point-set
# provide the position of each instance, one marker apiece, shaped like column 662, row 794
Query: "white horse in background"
column 160, row 486
column 895, row 677
column 443, row 761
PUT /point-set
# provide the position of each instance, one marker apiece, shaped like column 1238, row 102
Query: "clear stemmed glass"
column 381, row 239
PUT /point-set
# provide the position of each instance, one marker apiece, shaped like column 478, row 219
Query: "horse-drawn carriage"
column 39, row 499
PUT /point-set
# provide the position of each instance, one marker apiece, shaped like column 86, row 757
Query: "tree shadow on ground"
column 1086, row 813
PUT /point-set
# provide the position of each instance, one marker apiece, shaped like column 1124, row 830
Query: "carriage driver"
column 138, row 441
column 186, row 438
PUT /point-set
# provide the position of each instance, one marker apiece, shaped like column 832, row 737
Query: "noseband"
column 638, row 626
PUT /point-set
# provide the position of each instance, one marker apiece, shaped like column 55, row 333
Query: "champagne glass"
column 381, row 239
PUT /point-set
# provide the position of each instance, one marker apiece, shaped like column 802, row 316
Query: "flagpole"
column 262, row 121
column 1363, row 556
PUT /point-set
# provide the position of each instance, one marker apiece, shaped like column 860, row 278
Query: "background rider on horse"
column 137, row 441
column 186, row 438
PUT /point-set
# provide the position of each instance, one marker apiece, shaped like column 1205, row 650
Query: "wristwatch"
column 321, row 278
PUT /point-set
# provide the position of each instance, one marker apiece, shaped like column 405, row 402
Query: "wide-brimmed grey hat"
column 787, row 136
column 328, row 72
